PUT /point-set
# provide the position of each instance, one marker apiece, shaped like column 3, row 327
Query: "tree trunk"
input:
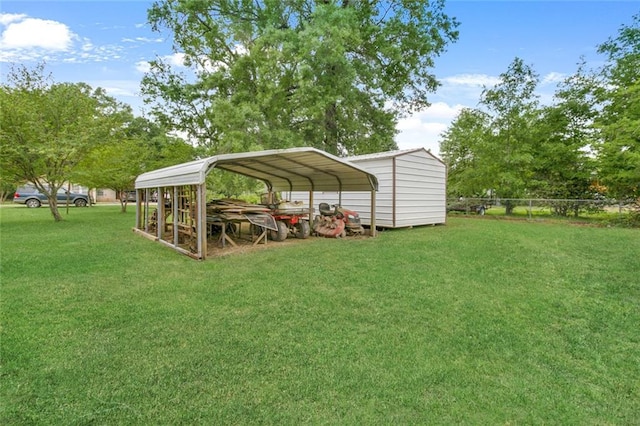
column 53, row 206
column 122, row 194
column 331, row 130
column 508, row 207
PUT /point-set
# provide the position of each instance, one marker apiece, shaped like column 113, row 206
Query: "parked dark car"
column 31, row 197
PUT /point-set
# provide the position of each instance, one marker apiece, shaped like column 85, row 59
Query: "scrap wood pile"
column 226, row 210
column 229, row 206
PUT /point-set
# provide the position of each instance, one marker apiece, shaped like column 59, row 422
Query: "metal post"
column 147, row 195
column 160, row 213
column 373, row 232
column 202, row 221
column 174, row 207
column 138, row 209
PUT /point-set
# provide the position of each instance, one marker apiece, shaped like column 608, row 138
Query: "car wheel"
column 33, row 203
column 80, row 202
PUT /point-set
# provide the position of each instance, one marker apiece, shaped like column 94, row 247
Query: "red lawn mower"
column 290, row 218
column 336, row 222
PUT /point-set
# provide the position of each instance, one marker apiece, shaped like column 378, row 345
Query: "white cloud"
column 417, row 134
column 473, row 80
column 26, row 33
column 142, row 66
column 142, row 40
column 423, row 129
column 417, row 124
column 118, row 88
column 442, row 110
column 465, row 89
column 176, row 59
column 7, row 18
column 25, row 39
column 553, row 78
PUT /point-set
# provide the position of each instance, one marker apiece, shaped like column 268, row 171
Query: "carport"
column 181, row 190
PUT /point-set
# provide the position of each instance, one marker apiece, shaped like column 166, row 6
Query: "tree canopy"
column 47, row 129
column 141, row 146
column 490, row 148
column 331, row 74
column 619, row 122
column 585, row 144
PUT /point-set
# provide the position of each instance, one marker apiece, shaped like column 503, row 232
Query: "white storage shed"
column 412, row 186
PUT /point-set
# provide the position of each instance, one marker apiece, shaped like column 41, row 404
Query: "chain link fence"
column 594, row 209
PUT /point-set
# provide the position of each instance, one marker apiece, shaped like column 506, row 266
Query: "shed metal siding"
column 420, row 190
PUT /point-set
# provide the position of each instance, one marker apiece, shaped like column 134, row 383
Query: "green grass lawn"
column 481, row 321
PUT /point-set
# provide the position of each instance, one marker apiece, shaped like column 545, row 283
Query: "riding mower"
column 290, row 217
column 337, row 222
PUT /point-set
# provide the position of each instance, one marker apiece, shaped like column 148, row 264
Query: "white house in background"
column 104, row 195
column 412, row 189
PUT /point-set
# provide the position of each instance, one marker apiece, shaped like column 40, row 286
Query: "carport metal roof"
column 294, row 169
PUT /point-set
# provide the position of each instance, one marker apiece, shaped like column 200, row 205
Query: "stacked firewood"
column 229, row 206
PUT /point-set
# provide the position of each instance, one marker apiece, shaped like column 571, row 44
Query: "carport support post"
column 372, row 232
column 311, row 209
column 174, row 207
column 147, row 195
column 138, row 209
column 160, row 214
column 201, row 225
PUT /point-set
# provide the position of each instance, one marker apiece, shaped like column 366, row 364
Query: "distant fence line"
column 559, row 206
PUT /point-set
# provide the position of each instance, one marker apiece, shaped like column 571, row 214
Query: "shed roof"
column 390, row 154
column 294, row 169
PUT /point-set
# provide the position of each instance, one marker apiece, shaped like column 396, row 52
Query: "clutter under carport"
column 185, row 221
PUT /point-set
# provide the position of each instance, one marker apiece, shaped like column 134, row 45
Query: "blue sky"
column 107, row 44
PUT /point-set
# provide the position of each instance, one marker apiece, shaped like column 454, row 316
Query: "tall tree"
column 490, row 148
column 331, row 74
column 463, row 147
column 47, row 128
column 513, row 105
column 562, row 144
column 619, row 151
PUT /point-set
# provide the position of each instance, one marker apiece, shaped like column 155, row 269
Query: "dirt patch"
column 245, row 245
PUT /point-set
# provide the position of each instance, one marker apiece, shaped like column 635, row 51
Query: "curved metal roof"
column 294, row 169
